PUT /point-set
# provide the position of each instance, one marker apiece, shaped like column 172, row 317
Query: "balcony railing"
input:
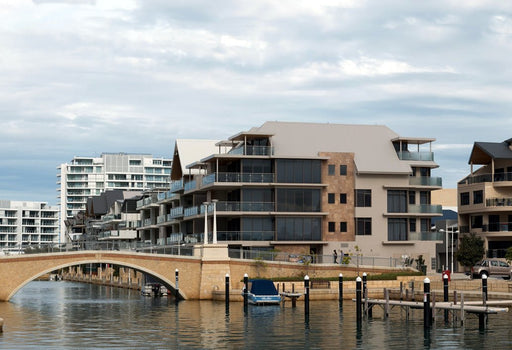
column 498, row 202
column 177, row 185
column 498, row 227
column 427, row 236
column 253, row 150
column 175, row 213
column 190, row 211
column 426, row 181
column 500, row 177
column 239, row 177
column 245, row 206
column 425, row 209
column 245, row 236
column 191, row 185
column 420, row 156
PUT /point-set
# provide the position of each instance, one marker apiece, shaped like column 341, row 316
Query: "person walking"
column 335, row 256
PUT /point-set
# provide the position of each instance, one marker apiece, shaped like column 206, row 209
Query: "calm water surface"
column 68, row 315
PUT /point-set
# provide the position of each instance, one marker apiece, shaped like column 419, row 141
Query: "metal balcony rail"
column 425, row 181
column 418, row 156
column 498, row 202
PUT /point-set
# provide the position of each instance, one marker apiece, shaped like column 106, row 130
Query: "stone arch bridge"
column 198, row 276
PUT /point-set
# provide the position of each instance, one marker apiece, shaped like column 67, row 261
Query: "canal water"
column 69, row 315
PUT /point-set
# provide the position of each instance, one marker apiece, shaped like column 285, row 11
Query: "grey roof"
column 483, row 152
column 189, row 151
column 371, row 144
column 100, row 205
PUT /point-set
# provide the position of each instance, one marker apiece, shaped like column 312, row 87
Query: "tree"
column 508, row 254
column 471, row 250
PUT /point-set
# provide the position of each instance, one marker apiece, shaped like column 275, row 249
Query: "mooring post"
column 226, row 290
column 401, row 290
column 358, row 298
column 340, row 289
column 177, row 289
column 246, row 291
column 306, row 295
column 445, row 295
column 364, row 284
column 484, row 289
column 426, row 303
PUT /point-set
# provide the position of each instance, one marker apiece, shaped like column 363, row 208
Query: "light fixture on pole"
column 446, row 247
column 214, row 202
column 206, row 222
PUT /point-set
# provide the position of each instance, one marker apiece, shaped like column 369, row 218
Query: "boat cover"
column 263, row 287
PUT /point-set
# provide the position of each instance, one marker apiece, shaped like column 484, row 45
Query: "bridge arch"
column 17, row 271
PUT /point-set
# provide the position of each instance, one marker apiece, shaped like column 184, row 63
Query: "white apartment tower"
column 84, row 177
column 26, row 223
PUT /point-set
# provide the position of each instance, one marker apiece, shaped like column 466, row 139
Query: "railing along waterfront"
column 188, row 250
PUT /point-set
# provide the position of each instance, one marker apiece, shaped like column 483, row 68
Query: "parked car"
column 492, row 267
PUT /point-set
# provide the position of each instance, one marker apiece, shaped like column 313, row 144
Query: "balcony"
column 239, row 177
column 253, row 151
column 425, row 209
column 246, row 206
column 498, row 227
column 417, row 156
column 500, row 178
column 498, row 202
column 191, row 185
column 177, row 185
column 427, row 236
column 245, row 236
column 190, row 211
column 426, row 181
column 175, row 213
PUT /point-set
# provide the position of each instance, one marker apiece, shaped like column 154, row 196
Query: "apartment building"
column 303, row 188
column 485, row 196
column 84, row 177
column 27, row 223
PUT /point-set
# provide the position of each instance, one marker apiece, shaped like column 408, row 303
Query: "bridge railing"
column 191, row 250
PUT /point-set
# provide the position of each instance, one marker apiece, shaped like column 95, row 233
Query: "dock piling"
column 177, row 289
column 426, row 303
column 340, row 290
column 358, row 299
column 445, row 295
column 246, row 291
column 226, row 288
column 306, row 295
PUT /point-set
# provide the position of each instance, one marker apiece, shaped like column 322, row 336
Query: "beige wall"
column 447, row 197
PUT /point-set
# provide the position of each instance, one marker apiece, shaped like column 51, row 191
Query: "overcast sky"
column 82, row 77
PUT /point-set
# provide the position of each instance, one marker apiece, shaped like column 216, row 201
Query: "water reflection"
column 70, row 315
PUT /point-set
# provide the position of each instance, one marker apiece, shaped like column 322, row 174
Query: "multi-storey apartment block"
column 26, row 223
column 84, row 177
column 485, row 196
column 303, row 188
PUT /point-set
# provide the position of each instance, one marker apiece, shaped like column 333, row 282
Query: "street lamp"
column 446, row 247
column 205, row 222
column 214, row 202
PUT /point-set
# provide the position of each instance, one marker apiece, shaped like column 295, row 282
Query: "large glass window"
column 297, row 200
column 298, row 171
column 363, row 226
column 257, row 229
column 299, row 229
column 397, row 201
column 363, row 198
column 256, row 166
column 263, row 195
column 397, row 229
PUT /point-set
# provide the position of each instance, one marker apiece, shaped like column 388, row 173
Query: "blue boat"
column 262, row 292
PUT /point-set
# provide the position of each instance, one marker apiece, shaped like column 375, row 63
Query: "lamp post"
column 452, row 245
column 205, row 222
column 446, row 247
column 214, row 202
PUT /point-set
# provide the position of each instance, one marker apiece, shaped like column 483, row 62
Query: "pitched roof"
column 189, row 151
column 371, row 144
column 484, row 152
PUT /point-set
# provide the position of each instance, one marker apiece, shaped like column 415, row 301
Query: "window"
column 464, row 198
column 425, row 225
column 330, row 169
column 298, row 200
column 476, row 221
column 424, row 197
column 343, row 170
column 478, row 197
column 363, row 198
column 296, row 170
column 397, row 229
column 299, row 228
column 332, row 226
column 363, row 226
column 412, row 225
column 343, row 226
column 412, row 197
column 330, row 198
column 397, row 201
column 343, row 198
column 135, row 162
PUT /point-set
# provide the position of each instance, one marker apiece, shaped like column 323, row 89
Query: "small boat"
column 262, row 292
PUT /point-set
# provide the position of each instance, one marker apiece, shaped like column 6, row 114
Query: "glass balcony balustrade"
column 239, row 177
column 427, row 236
column 425, row 209
column 416, row 156
column 499, row 177
column 426, row 181
column 253, row 151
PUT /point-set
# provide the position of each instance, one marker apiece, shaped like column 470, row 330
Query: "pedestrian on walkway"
column 335, row 256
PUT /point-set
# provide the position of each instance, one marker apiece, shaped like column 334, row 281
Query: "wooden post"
column 246, row 291
column 462, row 316
column 226, row 291
column 445, row 295
column 358, row 298
column 426, row 303
column 340, row 290
column 306, row 295
column 386, row 306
